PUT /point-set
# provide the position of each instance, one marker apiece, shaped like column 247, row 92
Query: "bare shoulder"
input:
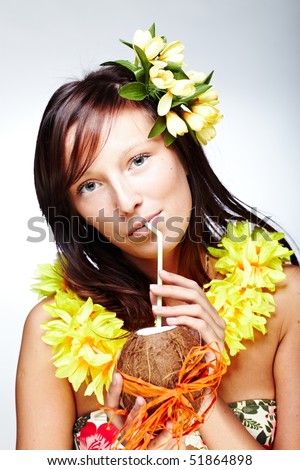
column 287, row 298
column 39, row 393
column 32, row 346
column 36, row 317
column 287, row 360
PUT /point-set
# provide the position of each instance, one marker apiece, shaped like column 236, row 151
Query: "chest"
column 250, row 374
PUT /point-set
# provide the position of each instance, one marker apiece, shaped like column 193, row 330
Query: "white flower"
column 196, row 77
column 209, row 97
column 161, row 78
column 175, row 125
column 209, row 113
column 173, row 53
column 195, row 121
column 164, row 104
column 151, row 46
column 184, row 87
column 206, row 134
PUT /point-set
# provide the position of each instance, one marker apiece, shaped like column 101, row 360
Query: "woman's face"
column 132, row 180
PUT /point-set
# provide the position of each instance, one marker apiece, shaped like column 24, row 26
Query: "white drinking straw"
column 159, row 236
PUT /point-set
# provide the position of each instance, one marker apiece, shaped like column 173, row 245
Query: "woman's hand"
column 185, row 303
column 162, row 441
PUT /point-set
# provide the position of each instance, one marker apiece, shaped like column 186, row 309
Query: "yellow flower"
column 206, row 134
column 209, row 113
column 252, row 258
column 175, row 125
column 210, row 116
column 242, row 309
column 184, row 87
column 141, row 38
column 208, row 97
column 50, row 279
column 161, row 78
column 164, row 104
column 195, row 121
column 251, row 262
column 151, row 46
column 196, row 77
column 86, row 339
column 173, row 53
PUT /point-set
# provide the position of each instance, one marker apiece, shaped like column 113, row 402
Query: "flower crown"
column 186, row 102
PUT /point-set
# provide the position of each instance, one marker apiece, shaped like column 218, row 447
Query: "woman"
column 102, row 170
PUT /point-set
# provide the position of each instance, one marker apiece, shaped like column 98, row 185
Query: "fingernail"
column 114, row 380
column 163, row 271
column 157, row 309
column 155, row 287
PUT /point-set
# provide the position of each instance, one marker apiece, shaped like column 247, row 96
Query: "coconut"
column 156, row 356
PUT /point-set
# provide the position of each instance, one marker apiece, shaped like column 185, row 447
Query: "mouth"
column 139, row 229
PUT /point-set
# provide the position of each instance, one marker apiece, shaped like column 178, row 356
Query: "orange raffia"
column 176, row 406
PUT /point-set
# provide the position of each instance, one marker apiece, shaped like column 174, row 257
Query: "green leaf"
column 135, row 91
column 152, row 30
column 144, row 61
column 126, row 43
column 159, row 127
column 200, row 88
column 208, row 78
column 186, row 99
column 169, row 138
column 181, row 75
column 125, row 63
column 174, row 67
column 140, row 75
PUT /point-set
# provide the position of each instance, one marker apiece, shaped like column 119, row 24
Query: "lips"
column 138, row 228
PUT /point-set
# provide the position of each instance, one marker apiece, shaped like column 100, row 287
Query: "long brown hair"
column 91, row 265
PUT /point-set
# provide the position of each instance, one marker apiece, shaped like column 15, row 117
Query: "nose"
column 126, row 196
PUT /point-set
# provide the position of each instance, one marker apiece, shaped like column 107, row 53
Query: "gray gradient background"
column 253, row 46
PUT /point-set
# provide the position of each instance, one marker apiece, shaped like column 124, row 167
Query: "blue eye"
column 88, row 187
column 139, row 160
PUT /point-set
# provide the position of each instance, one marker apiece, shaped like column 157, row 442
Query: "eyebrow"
column 90, row 174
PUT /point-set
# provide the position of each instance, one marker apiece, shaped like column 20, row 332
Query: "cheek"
column 178, row 188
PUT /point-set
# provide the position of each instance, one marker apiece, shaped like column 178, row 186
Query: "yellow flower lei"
column 86, row 338
column 251, row 262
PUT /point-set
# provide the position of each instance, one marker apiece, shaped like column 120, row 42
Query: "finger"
column 181, row 296
column 165, row 441
column 153, row 298
column 139, row 402
column 196, row 311
column 178, row 293
column 112, row 400
column 132, row 419
column 207, row 333
column 178, row 280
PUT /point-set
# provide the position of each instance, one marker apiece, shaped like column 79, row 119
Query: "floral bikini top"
column 80, row 332
column 258, row 417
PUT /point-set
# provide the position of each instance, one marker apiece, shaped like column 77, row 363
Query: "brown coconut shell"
column 156, row 358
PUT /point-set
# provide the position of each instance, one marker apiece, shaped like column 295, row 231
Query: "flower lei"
column 185, row 100
column 86, row 338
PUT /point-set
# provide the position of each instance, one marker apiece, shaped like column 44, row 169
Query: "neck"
column 149, row 266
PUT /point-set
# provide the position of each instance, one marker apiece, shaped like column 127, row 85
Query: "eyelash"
column 142, row 155
column 81, row 187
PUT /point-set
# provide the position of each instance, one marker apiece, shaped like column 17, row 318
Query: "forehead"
column 110, row 131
